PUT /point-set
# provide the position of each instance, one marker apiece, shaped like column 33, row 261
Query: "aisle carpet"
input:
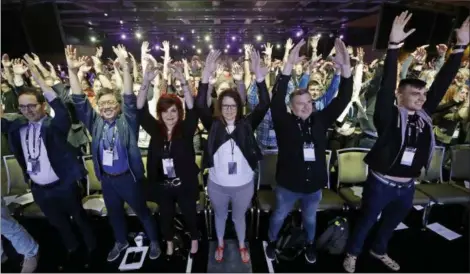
column 414, row 249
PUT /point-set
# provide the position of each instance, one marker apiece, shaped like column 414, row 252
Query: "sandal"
column 245, row 255
column 219, row 254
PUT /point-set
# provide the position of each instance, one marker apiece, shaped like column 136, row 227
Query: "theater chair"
column 17, row 186
column 352, row 172
column 201, row 205
column 94, row 186
column 436, row 189
column 460, row 165
column 266, row 198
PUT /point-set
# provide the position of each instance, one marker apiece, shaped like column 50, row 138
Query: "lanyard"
column 302, row 131
column 166, row 149
column 34, row 142
column 105, row 136
column 411, row 126
column 232, row 142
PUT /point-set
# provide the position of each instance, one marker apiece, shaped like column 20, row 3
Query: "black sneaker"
column 271, row 250
column 155, row 251
column 116, row 251
column 310, row 253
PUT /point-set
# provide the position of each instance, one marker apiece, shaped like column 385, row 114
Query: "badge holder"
column 169, row 168
column 408, row 156
column 232, row 168
column 108, row 157
column 33, row 166
column 309, row 153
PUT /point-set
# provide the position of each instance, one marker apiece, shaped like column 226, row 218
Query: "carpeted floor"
column 414, row 249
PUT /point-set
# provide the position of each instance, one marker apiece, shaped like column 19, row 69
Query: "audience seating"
column 351, row 171
column 330, row 199
column 440, row 192
column 460, row 167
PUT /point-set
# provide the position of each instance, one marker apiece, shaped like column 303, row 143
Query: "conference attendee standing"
column 171, row 158
column 404, row 147
column 301, row 138
column 232, row 152
column 116, row 157
column 40, row 146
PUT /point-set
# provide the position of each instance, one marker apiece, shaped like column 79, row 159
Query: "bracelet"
column 394, row 43
column 457, row 47
column 247, row 59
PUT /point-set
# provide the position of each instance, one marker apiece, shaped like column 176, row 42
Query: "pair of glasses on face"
column 27, row 107
column 229, row 107
column 110, row 103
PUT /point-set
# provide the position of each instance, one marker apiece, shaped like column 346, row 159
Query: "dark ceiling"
column 224, row 20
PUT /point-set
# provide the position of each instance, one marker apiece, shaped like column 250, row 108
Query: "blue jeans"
column 17, row 235
column 366, row 142
column 285, row 201
column 120, row 189
column 394, row 204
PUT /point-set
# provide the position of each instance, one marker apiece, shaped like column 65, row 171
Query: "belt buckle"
column 178, row 182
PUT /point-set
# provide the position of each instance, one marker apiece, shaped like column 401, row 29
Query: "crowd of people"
column 299, row 106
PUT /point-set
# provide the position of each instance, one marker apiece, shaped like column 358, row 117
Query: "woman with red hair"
column 171, row 159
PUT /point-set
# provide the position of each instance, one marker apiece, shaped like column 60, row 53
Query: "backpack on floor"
column 181, row 239
column 335, row 237
column 291, row 241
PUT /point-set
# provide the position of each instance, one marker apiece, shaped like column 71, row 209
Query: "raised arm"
column 449, row 70
column 61, row 120
column 386, row 95
column 278, row 103
column 342, row 59
column 201, row 99
column 188, row 97
column 258, row 113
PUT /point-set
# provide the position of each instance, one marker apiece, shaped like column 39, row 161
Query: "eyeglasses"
column 110, row 103
column 27, row 107
column 229, row 107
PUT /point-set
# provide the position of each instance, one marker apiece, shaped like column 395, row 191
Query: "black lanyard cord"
column 34, row 142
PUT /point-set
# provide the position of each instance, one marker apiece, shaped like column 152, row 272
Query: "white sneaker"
column 30, row 264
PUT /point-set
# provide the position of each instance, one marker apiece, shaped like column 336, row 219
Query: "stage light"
column 157, row 47
column 234, row 38
column 227, row 46
column 331, row 35
column 194, row 46
column 259, row 37
column 319, row 35
column 90, row 23
column 225, row 50
column 138, row 35
column 240, row 50
column 105, row 14
column 210, row 46
column 93, row 39
column 192, row 31
column 298, row 34
column 278, row 46
column 176, row 46
column 341, row 36
column 121, row 22
column 207, row 38
column 181, row 38
column 123, row 36
column 198, row 51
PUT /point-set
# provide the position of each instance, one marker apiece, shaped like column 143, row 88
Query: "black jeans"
column 186, row 198
column 60, row 201
column 394, row 203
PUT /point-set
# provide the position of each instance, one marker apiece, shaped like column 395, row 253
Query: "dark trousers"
column 60, row 201
column 186, row 199
column 120, row 189
column 394, row 203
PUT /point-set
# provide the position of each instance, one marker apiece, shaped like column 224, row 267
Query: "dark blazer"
column 54, row 132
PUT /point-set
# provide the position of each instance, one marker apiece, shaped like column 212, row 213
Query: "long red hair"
column 165, row 102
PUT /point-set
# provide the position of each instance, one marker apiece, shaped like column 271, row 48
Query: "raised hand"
column 342, row 58
column 150, row 73
column 6, row 61
column 73, row 62
column 268, row 49
column 294, row 57
column 398, row 34
column 36, row 59
column 259, row 71
column 19, row 67
column 144, row 49
column 237, row 72
column 121, row 54
column 289, row 44
column 420, row 54
column 463, row 33
column 441, row 49
column 360, row 54
column 178, row 73
column 99, row 52
column 166, row 46
column 211, row 65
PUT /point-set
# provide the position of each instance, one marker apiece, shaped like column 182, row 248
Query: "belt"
column 391, row 183
column 46, row 186
column 172, row 182
column 116, row 174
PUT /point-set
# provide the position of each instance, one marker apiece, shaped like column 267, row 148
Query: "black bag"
column 181, row 239
column 291, row 242
column 335, row 237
